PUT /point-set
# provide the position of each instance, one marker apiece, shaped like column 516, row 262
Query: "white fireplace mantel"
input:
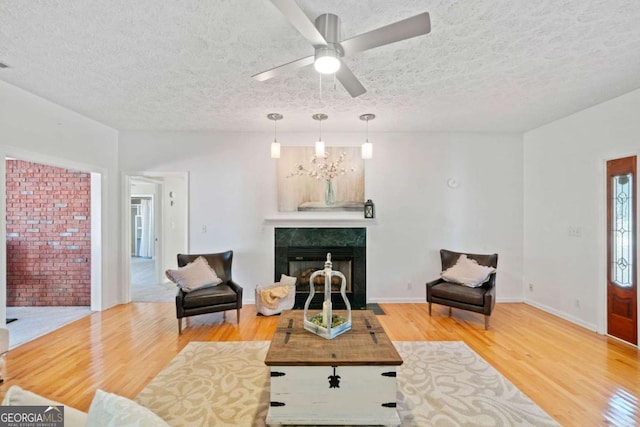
column 331, row 219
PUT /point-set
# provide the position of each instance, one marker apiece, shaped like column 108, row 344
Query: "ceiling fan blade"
column 283, row 69
column 300, row 21
column 401, row 30
column 350, row 82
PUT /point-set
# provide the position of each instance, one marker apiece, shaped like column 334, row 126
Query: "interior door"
column 622, row 307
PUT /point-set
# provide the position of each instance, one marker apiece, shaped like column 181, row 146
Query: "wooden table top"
column 365, row 344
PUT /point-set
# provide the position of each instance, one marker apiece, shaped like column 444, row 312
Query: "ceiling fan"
column 324, row 36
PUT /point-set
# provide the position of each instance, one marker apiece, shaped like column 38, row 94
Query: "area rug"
column 441, row 383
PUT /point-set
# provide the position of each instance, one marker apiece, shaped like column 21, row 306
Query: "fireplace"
column 301, row 251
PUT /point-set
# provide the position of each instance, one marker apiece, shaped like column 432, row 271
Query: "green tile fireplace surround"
column 346, row 244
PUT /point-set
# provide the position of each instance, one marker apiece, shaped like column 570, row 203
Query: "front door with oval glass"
column 622, row 306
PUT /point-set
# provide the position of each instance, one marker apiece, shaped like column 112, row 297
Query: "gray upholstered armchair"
column 225, row 296
column 480, row 300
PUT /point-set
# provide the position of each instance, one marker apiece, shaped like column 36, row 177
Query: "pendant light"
column 367, row 147
column 275, row 145
column 320, row 151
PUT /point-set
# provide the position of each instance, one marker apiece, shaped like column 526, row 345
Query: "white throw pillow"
column 195, row 275
column 288, row 280
column 111, row 410
column 467, row 272
column 16, row 396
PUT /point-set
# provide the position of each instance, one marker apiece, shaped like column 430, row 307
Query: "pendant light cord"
column 367, row 130
column 275, row 130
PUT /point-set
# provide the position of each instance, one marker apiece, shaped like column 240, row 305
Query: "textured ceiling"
column 487, row 65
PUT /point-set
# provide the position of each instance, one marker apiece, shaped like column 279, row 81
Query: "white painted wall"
column 143, row 189
column 175, row 219
column 35, row 129
column 175, row 201
column 564, row 186
column 232, row 189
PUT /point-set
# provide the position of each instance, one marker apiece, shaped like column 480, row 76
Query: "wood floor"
column 578, row 377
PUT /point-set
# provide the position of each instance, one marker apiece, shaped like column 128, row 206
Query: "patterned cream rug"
column 441, row 383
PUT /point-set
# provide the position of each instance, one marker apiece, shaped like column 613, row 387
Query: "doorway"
column 50, row 246
column 144, row 262
column 144, row 239
column 622, row 306
column 156, row 232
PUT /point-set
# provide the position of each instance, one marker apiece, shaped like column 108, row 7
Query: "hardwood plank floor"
column 579, row 377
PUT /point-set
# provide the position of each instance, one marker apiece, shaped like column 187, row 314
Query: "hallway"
column 144, row 286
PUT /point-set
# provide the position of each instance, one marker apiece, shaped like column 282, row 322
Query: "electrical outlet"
column 577, row 303
column 409, row 286
column 530, row 287
column 204, row 228
column 575, row 231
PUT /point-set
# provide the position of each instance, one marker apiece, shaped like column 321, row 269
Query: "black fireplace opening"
column 299, row 252
column 304, row 261
column 303, row 267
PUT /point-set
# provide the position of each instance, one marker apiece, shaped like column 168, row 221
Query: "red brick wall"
column 48, row 235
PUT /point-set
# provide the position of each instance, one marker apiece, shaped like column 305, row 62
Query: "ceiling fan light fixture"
column 324, row 34
column 327, row 60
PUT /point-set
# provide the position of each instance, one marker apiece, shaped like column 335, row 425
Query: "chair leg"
column 486, row 322
column 238, row 311
column 449, row 311
column 429, row 309
column 180, row 326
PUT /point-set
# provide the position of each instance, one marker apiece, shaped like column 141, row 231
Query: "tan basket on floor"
column 285, row 303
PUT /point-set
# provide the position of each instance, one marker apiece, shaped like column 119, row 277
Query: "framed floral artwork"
column 332, row 183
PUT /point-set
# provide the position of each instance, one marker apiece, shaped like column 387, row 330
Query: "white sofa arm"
column 16, row 396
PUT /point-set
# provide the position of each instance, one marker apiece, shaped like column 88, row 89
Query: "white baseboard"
column 565, row 316
column 423, row 299
column 408, row 300
column 572, row 319
column 509, row 300
column 370, row 300
column 413, row 300
column 397, row 300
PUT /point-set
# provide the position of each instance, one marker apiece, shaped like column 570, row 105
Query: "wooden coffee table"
column 350, row 379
